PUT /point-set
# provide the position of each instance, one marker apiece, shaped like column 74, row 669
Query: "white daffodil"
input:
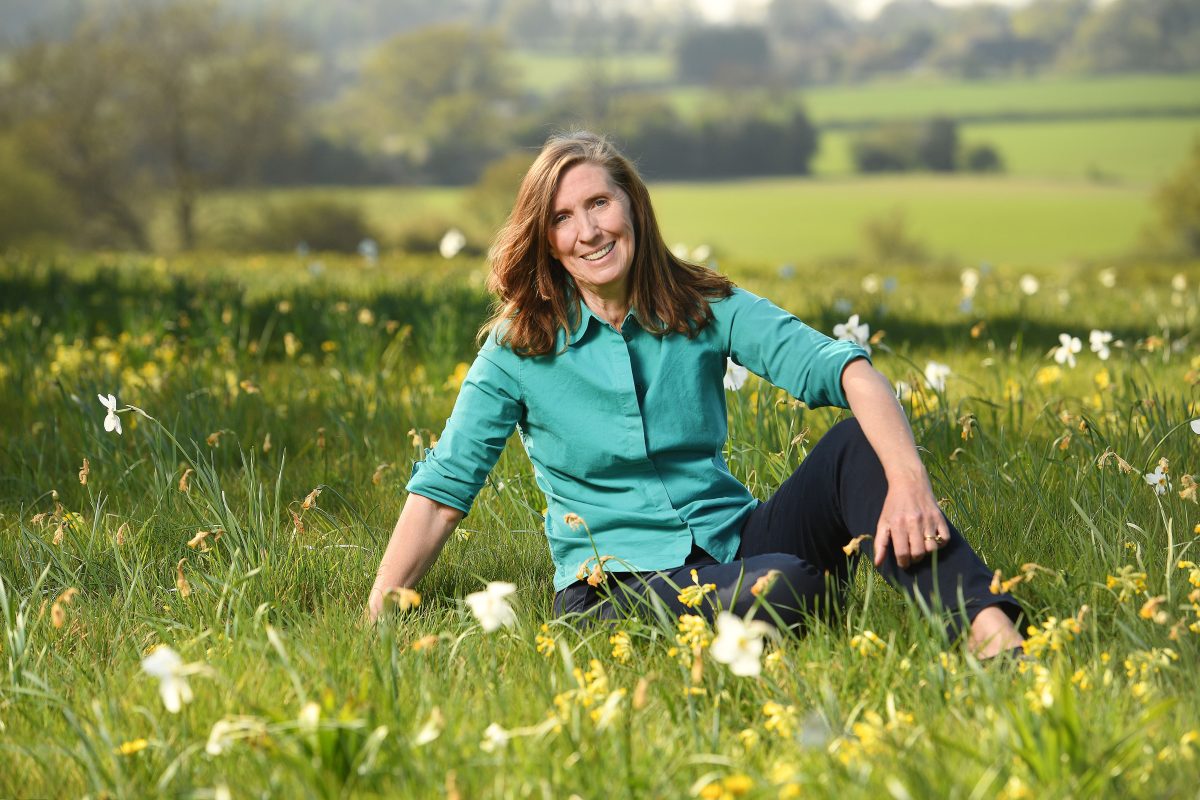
column 1158, row 479
column 936, row 374
column 870, row 283
column 739, row 643
column 854, row 331
column 1068, row 346
column 228, row 729
column 1107, row 278
column 1098, row 341
column 432, row 728
column 735, row 375
column 111, row 421
column 166, row 665
column 1029, row 285
column 490, row 606
column 970, row 281
column 1195, row 426
column 701, row 254
column 452, row 243
column 494, row 738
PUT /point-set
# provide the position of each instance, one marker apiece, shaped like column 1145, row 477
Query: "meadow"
column 271, row 408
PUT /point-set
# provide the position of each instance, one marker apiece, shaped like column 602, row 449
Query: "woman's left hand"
column 911, row 522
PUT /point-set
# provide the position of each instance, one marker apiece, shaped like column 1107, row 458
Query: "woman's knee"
column 794, row 589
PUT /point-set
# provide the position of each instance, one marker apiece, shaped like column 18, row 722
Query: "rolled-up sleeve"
column 487, row 410
column 775, row 345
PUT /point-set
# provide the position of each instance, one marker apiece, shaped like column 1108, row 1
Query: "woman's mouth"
column 601, row 253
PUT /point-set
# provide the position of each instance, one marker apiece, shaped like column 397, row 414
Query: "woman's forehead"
column 582, row 181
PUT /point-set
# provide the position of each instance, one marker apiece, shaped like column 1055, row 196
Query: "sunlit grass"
column 294, row 696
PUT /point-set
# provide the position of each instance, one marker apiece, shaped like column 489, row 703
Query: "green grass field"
column 257, row 381
column 1124, row 151
column 547, row 74
column 900, row 98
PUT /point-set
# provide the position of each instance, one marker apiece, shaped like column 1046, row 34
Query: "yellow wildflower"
column 781, row 719
column 867, row 644
column 1048, row 376
column 131, row 747
column 403, row 598
column 1129, row 582
column 545, row 642
column 1054, row 634
column 692, row 596
column 854, row 544
column 622, row 647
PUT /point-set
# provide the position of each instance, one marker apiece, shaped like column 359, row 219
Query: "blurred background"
column 773, row 132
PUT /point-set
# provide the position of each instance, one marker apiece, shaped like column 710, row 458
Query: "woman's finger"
column 882, row 536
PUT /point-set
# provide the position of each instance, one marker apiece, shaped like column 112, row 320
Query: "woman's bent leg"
column 836, row 494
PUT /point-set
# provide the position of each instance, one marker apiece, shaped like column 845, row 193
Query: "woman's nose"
column 588, row 229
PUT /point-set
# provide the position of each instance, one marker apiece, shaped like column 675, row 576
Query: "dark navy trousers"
column 835, row 494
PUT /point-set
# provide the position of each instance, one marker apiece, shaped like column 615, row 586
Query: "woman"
column 607, row 354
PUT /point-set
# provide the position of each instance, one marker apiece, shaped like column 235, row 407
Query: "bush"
column 901, row 146
column 982, row 157
column 1177, row 201
column 320, row 223
column 31, row 206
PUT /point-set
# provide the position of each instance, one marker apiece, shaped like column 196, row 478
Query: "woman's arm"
column 422, row 530
column 911, row 519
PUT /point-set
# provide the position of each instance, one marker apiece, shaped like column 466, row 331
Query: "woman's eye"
column 601, row 202
column 560, row 218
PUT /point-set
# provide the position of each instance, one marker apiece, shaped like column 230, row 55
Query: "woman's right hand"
column 375, row 603
column 423, row 527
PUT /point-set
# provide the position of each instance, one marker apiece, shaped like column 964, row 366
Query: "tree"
column 173, row 95
column 1177, row 202
column 441, row 97
column 733, row 55
column 1161, row 35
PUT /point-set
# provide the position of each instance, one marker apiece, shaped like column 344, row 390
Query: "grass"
column 549, row 73
column 1131, row 152
column 350, row 372
column 1053, row 95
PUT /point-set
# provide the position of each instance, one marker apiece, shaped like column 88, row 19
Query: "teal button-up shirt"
column 626, row 429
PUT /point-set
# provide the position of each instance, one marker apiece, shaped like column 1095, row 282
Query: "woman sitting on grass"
column 607, row 353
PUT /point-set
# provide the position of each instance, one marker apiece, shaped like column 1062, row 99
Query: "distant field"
column 546, row 74
column 1142, row 150
column 775, row 221
column 976, row 219
column 891, row 99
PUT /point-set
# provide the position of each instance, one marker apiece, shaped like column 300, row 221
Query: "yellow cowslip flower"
column 291, row 345
column 694, row 635
column 403, row 598
column 1150, row 610
column 424, row 643
column 748, row 737
column 1144, row 664
column 1193, row 574
column 692, row 596
column 773, row 661
column 867, row 644
column 366, row 316
column 329, row 346
column 1129, row 582
column 1012, row 391
column 855, row 544
column 1188, row 492
column 131, row 747
column 1187, row 742
column 765, row 582
column 1054, row 634
column 545, row 642
column 622, row 647
column 311, row 499
column 781, row 719
column 1048, row 376
column 455, row 381
column 181, row 581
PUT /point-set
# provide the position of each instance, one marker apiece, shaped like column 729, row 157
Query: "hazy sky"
column 724, row 10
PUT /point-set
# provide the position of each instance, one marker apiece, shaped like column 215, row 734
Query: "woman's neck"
column 611, row 308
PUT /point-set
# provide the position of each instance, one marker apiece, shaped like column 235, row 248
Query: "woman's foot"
column 993, row 633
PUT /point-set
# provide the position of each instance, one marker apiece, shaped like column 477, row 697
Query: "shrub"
column 320, row 223
column 1177, row 202
column 982, row 157
column 31, row 206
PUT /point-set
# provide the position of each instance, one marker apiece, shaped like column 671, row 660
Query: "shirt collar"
column 586, row 318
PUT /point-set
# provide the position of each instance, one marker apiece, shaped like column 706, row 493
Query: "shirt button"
column 627, row 336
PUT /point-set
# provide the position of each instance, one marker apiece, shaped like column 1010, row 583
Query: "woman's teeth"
column 601, row 253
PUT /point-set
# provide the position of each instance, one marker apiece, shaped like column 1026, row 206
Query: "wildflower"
column 181, row 582
column 781, row 719
column 311, row 499
column 935, row 375
column 1158, row 480
column 1048, row 376
column 122, row 532
column 733, row 786
column 1065, row 352
column 867, row 644
column 852, row 330
column 694, row 634
column 84, row 471
column 131, row 747
column 452, row 243
column 970, row 281
column 490, row 606
column 185, row 480
column 978, row 328
column 1129, row 582
column 297, row 523
column 609, row 711
column 692, row 596
column 1195, row 425
column 424, row 643
column 377, row 478
column 403, row 598
column 166, row 665
column 1098, row 342
column 765, row 582
column 544, row 642
column 432, row 728
column 458, row 377
column 225, row 730
column 1193, row 575
column 1029, row 285
column 1054, row 634
column 622, row 647
column 1109, row 455
column 739, row 643
column 735, row 375
column 111, row 421
column 197, row 541
column 1150, row 610
column 1188, row 492
column 1143, row 664
column 574, row 521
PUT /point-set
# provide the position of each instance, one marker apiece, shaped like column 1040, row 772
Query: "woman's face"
column 591, row 231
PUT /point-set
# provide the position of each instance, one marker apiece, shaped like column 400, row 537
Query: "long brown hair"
column 533, row 299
